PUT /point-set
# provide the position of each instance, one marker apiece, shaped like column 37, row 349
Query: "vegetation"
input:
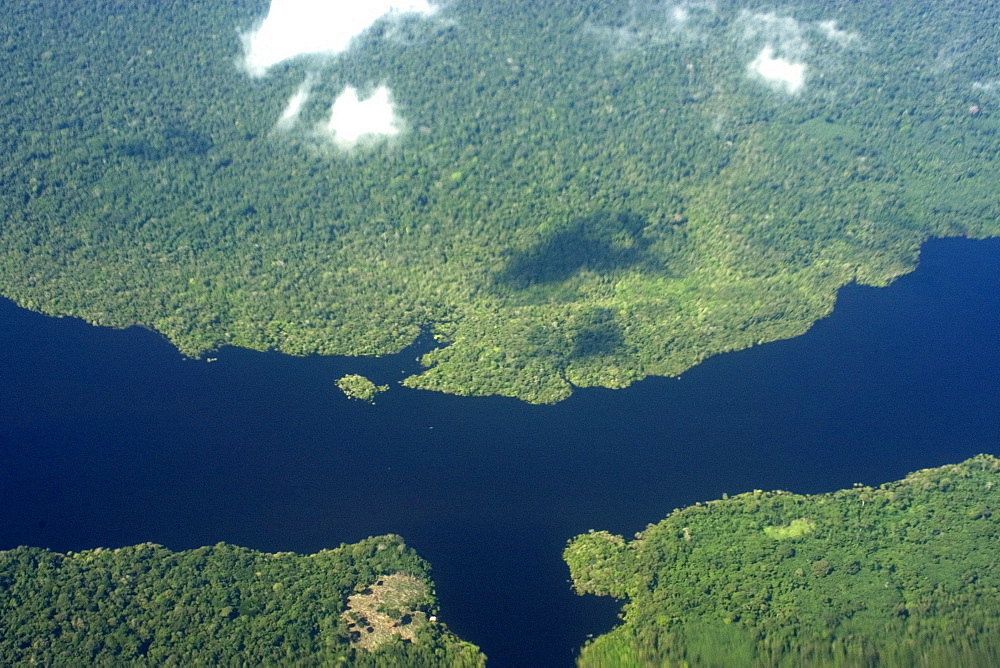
column 588, row 193
column 222, row 605
column 900, row 575
column 361, row 388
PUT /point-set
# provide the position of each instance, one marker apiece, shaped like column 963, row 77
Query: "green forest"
column 904, row 574
column 586, row 193
column 366, row 604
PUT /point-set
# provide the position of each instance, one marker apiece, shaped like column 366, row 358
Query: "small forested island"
column 355, row 386
column 567, row 193
column 906, row 574
column 367, row 604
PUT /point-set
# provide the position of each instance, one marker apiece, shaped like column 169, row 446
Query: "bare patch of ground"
column 385, row 609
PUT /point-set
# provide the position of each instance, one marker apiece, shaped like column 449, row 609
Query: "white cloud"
column 295, row 103
column 779, row 73
column 683, row 23
column 830, row 30
column 325, row 28
column 352, row 119
column 987, row 86
column 783, row 33
column 301, row 27
column 686, row 12
column 787, row 44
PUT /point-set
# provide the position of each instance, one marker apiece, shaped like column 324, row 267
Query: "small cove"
column 111, row 438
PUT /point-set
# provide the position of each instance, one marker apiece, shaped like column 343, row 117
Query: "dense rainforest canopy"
column 370, row 603
column 572, row 193
column 900, row 575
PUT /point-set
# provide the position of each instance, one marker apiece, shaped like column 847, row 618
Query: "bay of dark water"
column 110, row 438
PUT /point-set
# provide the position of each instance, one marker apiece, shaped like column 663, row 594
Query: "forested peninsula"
column 575, row 193
column 367, row 604
column 905, row 574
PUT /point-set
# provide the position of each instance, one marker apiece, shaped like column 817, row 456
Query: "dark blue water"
column 110, row 438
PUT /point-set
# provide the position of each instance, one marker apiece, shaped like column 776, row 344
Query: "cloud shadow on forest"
column 597, row 334
column 174, row 141
column 602, row 243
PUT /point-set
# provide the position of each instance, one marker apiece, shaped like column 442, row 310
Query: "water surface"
column 111, row 438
